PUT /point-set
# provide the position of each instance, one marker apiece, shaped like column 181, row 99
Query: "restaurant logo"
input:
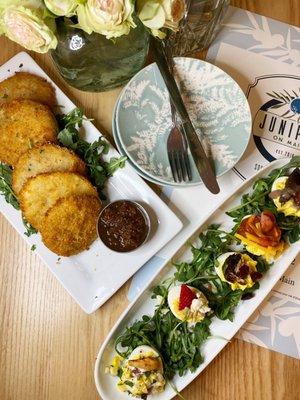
column 275, row 102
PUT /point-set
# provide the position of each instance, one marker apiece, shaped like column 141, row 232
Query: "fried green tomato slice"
column 69, row 226
column 45, row 158
column 24, row 85
column 41, row 192
column 23, row 125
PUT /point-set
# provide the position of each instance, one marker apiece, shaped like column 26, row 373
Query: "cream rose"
column 62, row 7
column 26, row 26
column 158, row 14
column 112, row 18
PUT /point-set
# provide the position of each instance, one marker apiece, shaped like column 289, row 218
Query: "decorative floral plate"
column 216, row 104
column 135, row 166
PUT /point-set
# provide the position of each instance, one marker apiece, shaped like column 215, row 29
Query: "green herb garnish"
column 258, row 200
column 33, row 247
column 91, row 153
column 179, row 345
column 5, row 186
column 9, row 195
column 177, row 342
column 30, row 230
column 128, row 383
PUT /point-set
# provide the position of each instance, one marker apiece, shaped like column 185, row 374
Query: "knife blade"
column 202, row 163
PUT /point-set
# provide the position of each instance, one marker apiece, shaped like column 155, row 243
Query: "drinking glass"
column 199, row 26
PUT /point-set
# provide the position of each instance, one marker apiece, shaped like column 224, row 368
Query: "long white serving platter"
column 93, row 276
column 143, row 304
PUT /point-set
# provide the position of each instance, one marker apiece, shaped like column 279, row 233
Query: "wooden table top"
column 48, row 345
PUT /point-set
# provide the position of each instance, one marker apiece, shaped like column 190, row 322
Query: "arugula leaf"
column 178, row 343
column 179, row 348
column 99, row 170
column 30, row 230
column 9, row 195
column 73, row 118
column 5, row 186
column 226, row 305
column 129, row 383
column 258, row 200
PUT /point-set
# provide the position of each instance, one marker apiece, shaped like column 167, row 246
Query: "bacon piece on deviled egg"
column 286, row 194
column 188, row 303
column 237, row 269
column 261, row 235
column 141, row 374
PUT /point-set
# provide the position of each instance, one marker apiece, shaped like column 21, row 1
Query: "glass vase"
column 94, row 63
column 199, row 27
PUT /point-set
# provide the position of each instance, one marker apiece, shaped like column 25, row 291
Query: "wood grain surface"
column 48, row 345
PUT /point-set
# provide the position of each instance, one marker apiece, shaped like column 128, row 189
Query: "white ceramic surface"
column 143, row 304
column 93, row 276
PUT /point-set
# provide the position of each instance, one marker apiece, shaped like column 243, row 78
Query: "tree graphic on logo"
column 290, row 102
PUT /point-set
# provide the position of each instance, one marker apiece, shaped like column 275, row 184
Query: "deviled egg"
column 261, row 235
column 237, row 269
column 286, row 194
column 141, row 374
column 188, row 303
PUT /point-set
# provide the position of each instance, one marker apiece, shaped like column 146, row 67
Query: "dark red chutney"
column 123, row 226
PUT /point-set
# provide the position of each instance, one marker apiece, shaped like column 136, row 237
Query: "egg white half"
column 143, row 352
column 186, row 314
column 289, row 207
column 220, row 270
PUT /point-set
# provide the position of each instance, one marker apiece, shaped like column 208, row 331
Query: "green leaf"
column 99, row 169
column 114, row 164
column 30, row 230
column 129, row 383
column 6, row 187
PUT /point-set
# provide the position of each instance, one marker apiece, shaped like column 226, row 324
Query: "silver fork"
column 177, row 147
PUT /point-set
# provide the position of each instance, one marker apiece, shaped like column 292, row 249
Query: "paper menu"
column 263, row 56
column 276, row 130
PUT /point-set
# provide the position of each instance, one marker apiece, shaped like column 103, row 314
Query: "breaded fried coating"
column 24, row 85
column 41, row 192
column 69, row 226
column 23, row 125
column 45, row 158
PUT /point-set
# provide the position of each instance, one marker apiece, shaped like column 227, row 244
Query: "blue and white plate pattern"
column 135, row 166
column 216, row 104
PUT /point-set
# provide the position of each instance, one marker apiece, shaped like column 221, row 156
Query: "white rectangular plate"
column 143, row 304
column 93, row 276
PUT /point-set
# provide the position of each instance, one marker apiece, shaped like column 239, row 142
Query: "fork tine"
column 188, row 166
column 178, row 165
column 181, row 155
column 173, row 165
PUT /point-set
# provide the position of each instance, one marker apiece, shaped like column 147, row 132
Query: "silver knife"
column 202, row 163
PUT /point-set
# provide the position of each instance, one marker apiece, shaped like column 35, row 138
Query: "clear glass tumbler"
column 199, row 27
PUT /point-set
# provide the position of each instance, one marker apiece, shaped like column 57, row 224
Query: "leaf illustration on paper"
column 273, row 53
column 253, row 327
column 266, row 40
column 275, row 46
column 291, row 54
column 254, row 317
column 237, row 26
column 290, row 327
column 268, row 309
column 249, row 337
column 286, row 311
